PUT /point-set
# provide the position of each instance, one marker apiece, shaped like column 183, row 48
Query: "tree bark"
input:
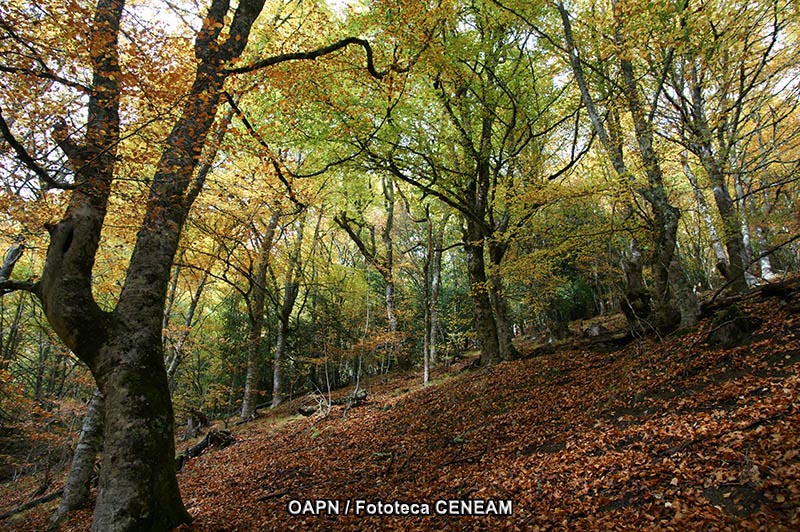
column 436, row 283
column 665, row 215
column 291, row 289
column 123, row 348
column 636, row 306
column 700, row 142
column 290, row 292
column 734, row 243
column 485, row 325
column 388, row 262
column 256, row 307
column 138, row 489
column 762, row 230
column 76, row 488
column 684, row 295
column 702, row 207
column 497, row 251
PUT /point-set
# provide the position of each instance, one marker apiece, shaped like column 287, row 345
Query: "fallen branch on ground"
column 35, row 502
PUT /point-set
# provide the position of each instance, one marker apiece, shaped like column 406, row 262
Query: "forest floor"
column 666, row 434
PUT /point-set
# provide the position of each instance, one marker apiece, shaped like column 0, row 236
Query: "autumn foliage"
column 554, row 243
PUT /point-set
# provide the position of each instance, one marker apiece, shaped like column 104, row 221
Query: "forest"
column 511, row 238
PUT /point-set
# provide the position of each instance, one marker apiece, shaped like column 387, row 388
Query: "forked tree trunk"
column 383, row 263
column 138, row 490
column 123, row 348
column 665, row 315
column 700, row 143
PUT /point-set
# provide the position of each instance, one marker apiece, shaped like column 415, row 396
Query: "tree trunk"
column 702, row 207
column 427, row 303
column 636, row 306
column 666, row 314
column 76, row 488
column 701, row 145
column 499, row 306
column 291, row 289
column 138, row 487
column 747, row 240
column 744, row 220
column 255, row 311
column 665, row 215
column 436, row 283
column 253, row 374
column 765, row 263
column 183, row 335
column 685, row 297
column 485, row 325
column 730, row 227
column 277, row 366
column 188, row 321
column 387, row 270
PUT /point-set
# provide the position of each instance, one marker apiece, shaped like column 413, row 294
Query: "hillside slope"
column 666, row 434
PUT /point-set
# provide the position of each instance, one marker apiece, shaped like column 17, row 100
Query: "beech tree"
column 672, row 301
column 490, row 109
column 123, row 346
column 490, row 117
column 381, row 259
column 726, row 90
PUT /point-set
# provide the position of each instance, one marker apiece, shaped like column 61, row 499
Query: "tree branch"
column 270, row 154
column 44, row 74
column 7, row 285
column 319, row 52
column 27, row 159
column 10, row 285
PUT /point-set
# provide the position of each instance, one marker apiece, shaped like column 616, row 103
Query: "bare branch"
column 270, row 154
column 319, row 52
column 44, row 74
column 11, row 285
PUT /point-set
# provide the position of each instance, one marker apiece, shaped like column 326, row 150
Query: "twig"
column 470, row 459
